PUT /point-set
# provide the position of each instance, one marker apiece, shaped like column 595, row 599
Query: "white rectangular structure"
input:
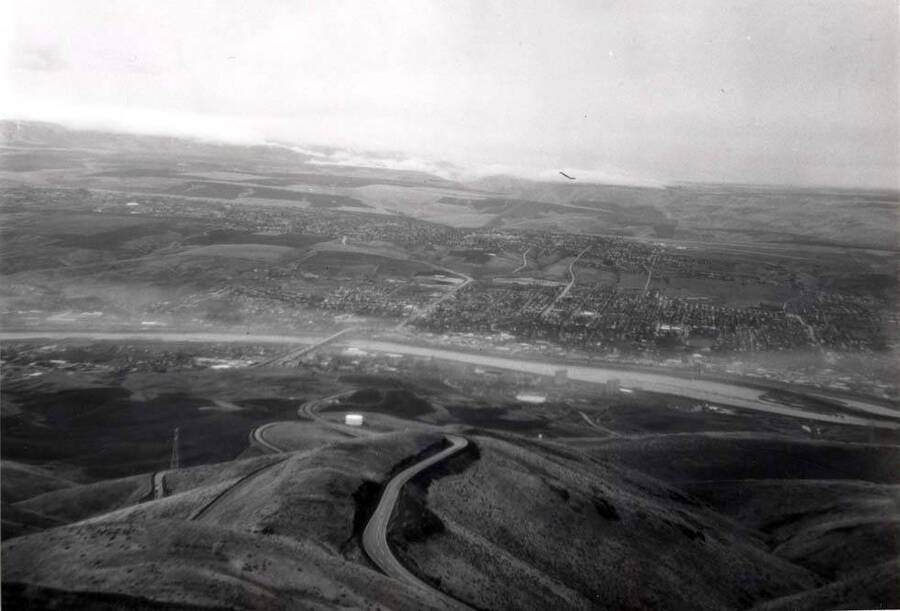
column 353, row 419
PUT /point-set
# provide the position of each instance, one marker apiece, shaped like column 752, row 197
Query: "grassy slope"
column 541, row 528
column 867, row 589
column 278, row 539
column 174, row 561
column 22, row 481
column 829, row 526
column 705, row 457
column 78, row 503
column 301, row 435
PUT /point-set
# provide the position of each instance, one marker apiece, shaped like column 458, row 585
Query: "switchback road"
column 375, row 534
column 374, row 538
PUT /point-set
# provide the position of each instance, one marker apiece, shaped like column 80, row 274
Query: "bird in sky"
column 567, row 176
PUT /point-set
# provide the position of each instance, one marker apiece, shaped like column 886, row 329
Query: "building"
column 353, row 419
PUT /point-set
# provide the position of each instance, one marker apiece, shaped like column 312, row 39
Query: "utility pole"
column 174, row 462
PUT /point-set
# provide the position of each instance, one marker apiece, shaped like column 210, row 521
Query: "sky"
column 640, row 91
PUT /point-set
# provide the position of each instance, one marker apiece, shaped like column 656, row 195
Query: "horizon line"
column 463, row 174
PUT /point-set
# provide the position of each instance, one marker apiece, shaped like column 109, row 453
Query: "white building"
column 353, row 419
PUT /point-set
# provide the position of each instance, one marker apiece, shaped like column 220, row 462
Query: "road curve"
column 257, row 438
column 374, row 537
column 308, row 410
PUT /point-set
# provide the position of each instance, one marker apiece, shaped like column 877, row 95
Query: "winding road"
column 308, row 410
column 257, row 438
column 524, row 262
column 374, row 537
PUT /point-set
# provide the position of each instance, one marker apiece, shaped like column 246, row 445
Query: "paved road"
column 375, row 535
column 718, row 393
column 284, row 359
column 159, row 485
column 310, row 410
column 202, row 511
column 257, row 438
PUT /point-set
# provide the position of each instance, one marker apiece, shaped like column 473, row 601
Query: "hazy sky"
column 775, row 91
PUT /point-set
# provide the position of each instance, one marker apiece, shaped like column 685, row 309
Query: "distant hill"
column 702, row 212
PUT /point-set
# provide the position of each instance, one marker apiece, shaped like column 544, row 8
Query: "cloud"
column 39, row 58
column 385, row 161
column 762, row 92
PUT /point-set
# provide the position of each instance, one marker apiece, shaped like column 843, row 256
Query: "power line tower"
column 173, row 464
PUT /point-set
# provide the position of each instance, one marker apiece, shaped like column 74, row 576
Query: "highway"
column 718, row 393
column 297, row 353
column 374, row 537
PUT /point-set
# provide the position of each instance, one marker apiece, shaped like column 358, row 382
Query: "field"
column 112, row 422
